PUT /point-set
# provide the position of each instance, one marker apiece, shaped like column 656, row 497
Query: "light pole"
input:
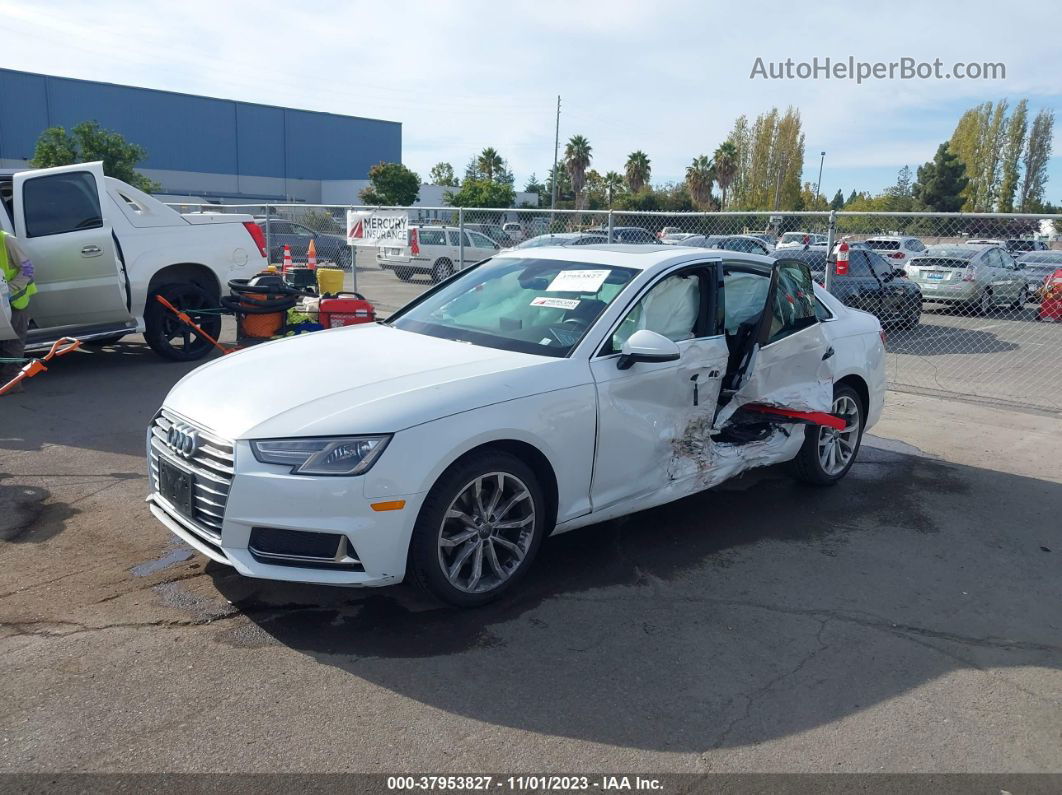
column 818, row 185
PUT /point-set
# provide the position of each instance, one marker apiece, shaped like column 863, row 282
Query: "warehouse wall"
column 184, row 133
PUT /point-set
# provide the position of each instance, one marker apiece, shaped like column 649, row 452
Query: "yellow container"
column 329, row 280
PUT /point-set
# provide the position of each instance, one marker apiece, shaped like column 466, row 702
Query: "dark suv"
column 871, row 284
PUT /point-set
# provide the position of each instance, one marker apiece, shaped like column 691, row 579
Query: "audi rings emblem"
column 183, row 440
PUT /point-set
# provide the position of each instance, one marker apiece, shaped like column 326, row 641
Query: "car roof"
column 639, row 256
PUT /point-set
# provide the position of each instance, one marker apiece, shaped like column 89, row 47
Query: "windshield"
column 794, row 237
column 545, row 240
column 528, row 305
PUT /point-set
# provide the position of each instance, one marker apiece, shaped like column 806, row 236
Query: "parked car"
column 437, row 252
column 495, row 232
column 1037, row 267
column 1017, row 246
column 626, row 234
column 898, row 249
column 297, row 237
column 985, row 241
column 792, row 240
column 668, row 231
column 978, row 277
column 515, row 231
column 746, row 243
column 103, row 250
column 769, row 240
column 674, row 238
column 563, row 239
column 535, row 393
column 871, row 284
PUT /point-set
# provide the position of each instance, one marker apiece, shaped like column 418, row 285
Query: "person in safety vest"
column 17, row 270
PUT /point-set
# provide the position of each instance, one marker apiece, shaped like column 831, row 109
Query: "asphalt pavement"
column 905, row 620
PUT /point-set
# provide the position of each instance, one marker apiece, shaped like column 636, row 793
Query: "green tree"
column 941, row 182
column 1037, row 154
column 837, row 203
column 727, row 163
column 489, row 164
column 534, row 186
column 612, row 183
column 391, row 184
column 638, row 170
column 482, row 193
column 87, row 142
column 443, row 174
column 851, row 197
column 577, row 156
column 1015, row 145
column 700, row 174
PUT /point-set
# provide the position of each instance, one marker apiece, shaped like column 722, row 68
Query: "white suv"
column 897, row 249
column 437, row 251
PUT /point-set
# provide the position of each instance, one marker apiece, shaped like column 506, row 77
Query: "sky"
column 665, row 77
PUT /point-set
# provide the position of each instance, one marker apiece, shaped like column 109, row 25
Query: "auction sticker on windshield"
column 577, row 281
column 555, row 303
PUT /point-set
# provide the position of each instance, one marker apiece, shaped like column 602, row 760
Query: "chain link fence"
column 967, row 300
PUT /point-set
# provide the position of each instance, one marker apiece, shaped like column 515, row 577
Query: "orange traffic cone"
column 287, row 259
column 311, row 256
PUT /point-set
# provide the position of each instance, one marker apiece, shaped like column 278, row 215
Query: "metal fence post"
column 353, row 253
column 269, row 250
column 831, row 232
column 610, row 225
column 461, row 237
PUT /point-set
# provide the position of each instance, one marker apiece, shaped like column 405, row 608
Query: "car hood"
column 361, row 379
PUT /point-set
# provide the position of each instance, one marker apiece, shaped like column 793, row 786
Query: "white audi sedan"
column 536, row 392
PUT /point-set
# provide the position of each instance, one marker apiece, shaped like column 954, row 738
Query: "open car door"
column 60, row 221
column 782, row 360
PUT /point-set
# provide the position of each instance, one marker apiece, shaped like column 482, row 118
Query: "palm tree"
column 613, row 184
column 577, row 156
column 699, row 177
column 726, row 165
column 490, row 163
column 638, row 170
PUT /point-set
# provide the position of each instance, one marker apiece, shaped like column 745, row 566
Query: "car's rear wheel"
column 442, row 269
column 478, row 530
column 168, row 335
column 985, row 304
column 913, row 316
column 1021, row 300
column 827, row 454
column 405, row 274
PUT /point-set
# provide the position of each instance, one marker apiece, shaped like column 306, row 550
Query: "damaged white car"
column 537, row 392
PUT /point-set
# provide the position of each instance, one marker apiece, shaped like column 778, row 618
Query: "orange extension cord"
column 60, row 347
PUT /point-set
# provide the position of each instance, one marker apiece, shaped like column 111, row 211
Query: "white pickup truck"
column 102, row 250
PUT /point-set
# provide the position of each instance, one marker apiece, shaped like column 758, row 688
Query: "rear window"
column 940, row 262
column 884, row 245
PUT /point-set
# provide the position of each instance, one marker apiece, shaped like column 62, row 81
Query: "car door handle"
column 829, row 352
column 91, row 251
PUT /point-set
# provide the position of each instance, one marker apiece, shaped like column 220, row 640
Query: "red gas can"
column 1051, row 298
column 346, row 309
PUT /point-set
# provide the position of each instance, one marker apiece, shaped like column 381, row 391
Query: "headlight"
column 344, row 455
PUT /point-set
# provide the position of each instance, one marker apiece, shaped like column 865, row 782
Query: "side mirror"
column 900, row 273
column 647, row 346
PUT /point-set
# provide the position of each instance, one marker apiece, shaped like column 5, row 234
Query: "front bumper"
column 266, row 496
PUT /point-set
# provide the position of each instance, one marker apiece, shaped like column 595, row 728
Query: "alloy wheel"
column 486, row 532
column 837, row 448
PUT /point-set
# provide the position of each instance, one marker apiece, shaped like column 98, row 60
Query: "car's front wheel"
column 827, row 454
column 479, row 530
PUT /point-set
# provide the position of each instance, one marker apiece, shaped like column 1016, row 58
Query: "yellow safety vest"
column 11, row 271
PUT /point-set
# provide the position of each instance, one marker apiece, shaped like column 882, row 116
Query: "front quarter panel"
column 561, row 424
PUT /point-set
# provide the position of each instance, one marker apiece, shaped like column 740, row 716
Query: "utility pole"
column 818, row 185
column 556, row 146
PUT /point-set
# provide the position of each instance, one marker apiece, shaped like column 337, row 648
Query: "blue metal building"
column 218, row 149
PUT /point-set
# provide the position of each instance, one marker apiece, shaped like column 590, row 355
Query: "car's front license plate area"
column 176, row 486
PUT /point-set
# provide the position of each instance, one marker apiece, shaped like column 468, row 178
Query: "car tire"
column 1021, row 300
column 442, row 269
column 984, row 306
column 405, row 274
column 813, row 463
column 167, row 335
column 913, row 316
column 452, row 536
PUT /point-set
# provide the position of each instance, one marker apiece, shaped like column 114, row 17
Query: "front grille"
column 212, row 464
